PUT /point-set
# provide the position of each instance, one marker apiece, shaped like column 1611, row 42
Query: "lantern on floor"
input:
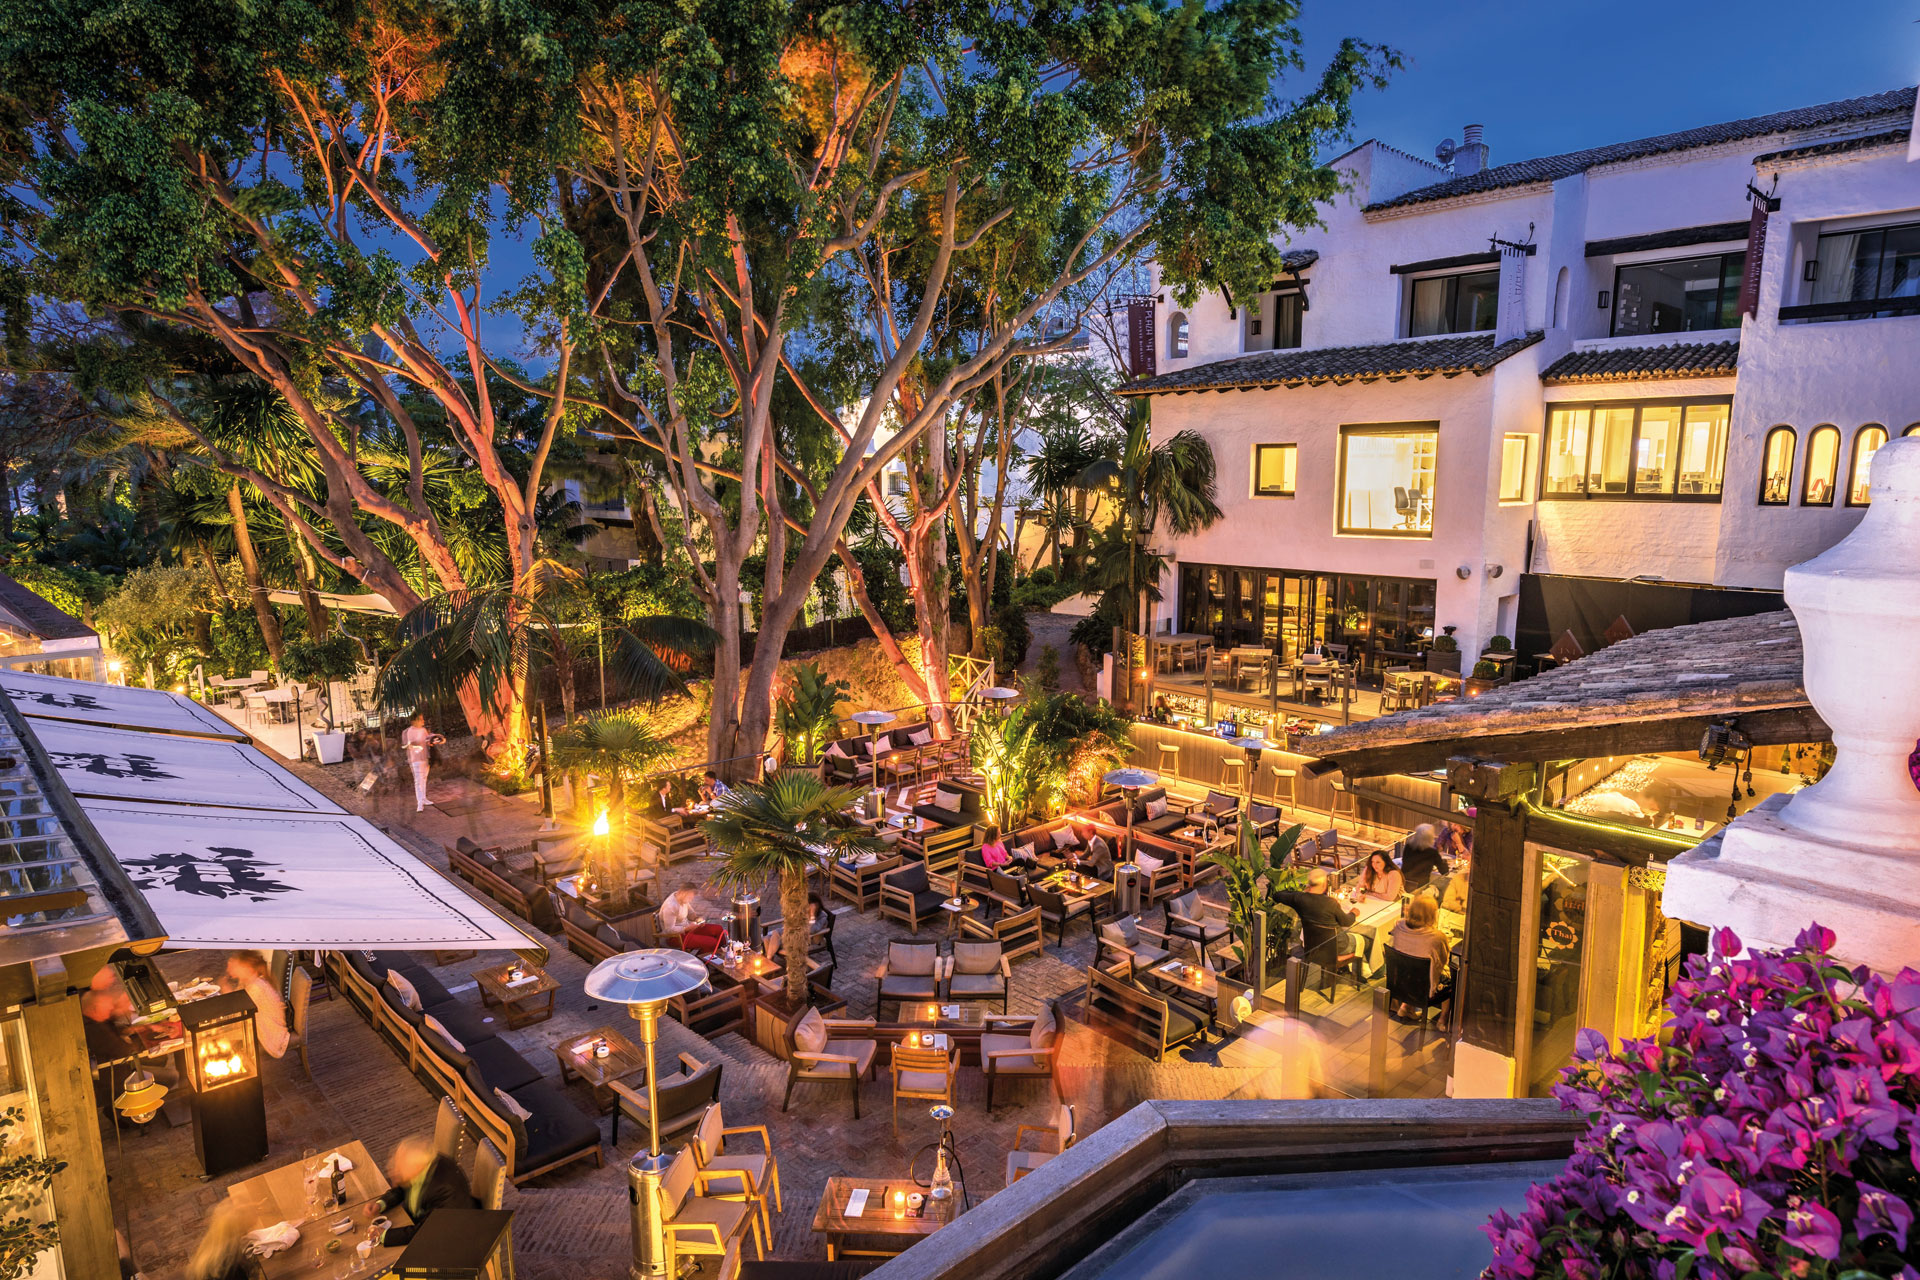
column 223, row 1065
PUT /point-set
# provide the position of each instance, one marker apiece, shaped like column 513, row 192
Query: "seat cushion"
column 922, row 1081
column 556, row 1127
column 938, row 816
column 1182, row 1023
column 465, row 1022
column 977, row 984
column 994, row 1042
column 927, row 902
column 752, row 1168
column 1162, row 826
column 861, row 1051
column 908, row 986
column 501, row 1065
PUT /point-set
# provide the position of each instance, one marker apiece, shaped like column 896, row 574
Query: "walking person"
column 418, row 742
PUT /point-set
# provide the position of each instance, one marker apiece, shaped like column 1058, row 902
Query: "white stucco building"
column 1526, row 398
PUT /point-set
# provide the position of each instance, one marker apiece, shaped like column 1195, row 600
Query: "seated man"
column 680, row 915
column 1323, row 921
column 100, row 1012
column 422, row 1182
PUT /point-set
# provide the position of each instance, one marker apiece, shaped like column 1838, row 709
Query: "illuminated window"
column 1177, row 335
column 1386, row 479
column 1912, row 430
column 1273, row 470
column 1674, row 450
column 1514, row 451
column 1776, row 468
column 1866, row 442
column 1465, row 303
column 1823, row 460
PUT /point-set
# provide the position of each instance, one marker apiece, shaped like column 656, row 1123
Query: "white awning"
column 156, row 710
column 229, row 878
column 128, row 764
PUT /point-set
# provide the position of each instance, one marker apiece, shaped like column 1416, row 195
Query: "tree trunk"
column 256, row 585
column 796, row 933
column 309, row 575
column 723, row 712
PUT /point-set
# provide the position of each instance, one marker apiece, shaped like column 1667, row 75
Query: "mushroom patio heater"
column 876, row 798
column 645, row 981
column 1130, row 781
column 1253, row 747
column 223, row 1064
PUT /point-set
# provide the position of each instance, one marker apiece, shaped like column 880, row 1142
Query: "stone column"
column 1844, row 853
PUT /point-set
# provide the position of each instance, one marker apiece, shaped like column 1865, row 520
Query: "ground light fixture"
column 645, row 982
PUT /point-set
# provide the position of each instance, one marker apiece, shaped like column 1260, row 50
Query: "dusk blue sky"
column 1552, row 76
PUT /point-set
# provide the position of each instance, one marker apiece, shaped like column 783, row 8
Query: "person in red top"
column 679, row 914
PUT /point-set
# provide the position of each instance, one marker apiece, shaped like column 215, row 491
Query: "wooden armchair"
column 912, row 895
column 748, row 1176
column 695, row 1224
column 1017, row 931
column 978, row 971
column 1020, row 1163
column 945, row 850
column 713, row 1012
column 1021, row 1049
column 910, row 973
column 859, row 882
column 1198, row 921
column 829, row 1051
column 926, row 1074
column 684, row 1098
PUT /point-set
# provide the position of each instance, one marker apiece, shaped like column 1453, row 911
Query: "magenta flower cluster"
column 1773, row 1129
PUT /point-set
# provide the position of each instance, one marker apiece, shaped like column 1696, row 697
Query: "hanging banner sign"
column 1756, row 255
column 1140, row 325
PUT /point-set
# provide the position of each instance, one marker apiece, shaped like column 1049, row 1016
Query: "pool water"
column 1411, row 1224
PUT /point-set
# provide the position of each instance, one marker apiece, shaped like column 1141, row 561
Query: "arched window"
column 1177, row 335
column 1823, row 461
column 1776, row 467
column 1912, row 430
column 1866, row 442
column 1560, row 300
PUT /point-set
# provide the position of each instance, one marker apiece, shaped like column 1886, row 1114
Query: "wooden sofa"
column 594, row 937
column 1151, row 1022
column 487, row 871
column 859, row 882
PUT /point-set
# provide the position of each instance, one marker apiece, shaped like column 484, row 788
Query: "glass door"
column 1270, row 610
column 1559, row 969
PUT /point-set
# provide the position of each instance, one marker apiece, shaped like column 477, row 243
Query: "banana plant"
column 1253, row 878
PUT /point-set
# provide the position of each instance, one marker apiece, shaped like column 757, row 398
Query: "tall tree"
column 742, row 157
column 316, row 190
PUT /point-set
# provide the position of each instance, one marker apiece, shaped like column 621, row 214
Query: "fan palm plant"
column 1253, row 878
column 619, row 746
column 778, row 831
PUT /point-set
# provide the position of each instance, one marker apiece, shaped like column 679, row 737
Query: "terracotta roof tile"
column 44, row 620
column 1472, row 353
column 1551, row 168
column 1887, row 139
column 1633, row 364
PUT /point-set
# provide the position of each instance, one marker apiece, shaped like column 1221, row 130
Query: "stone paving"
column 573, row 1223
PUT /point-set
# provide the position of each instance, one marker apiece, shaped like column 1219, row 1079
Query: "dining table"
column 280, row 1195
column 863, row 1210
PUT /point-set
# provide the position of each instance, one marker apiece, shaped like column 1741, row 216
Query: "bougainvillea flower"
column 1883, row 1213
column 1810, row 1228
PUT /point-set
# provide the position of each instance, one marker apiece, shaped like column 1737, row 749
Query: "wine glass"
column 310, row 1173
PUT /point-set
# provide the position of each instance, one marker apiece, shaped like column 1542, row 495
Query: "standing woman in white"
column 418, row 742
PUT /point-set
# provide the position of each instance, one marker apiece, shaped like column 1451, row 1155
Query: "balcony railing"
column 1855, row 309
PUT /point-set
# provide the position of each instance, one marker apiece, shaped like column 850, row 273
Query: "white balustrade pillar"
column 1846, row 851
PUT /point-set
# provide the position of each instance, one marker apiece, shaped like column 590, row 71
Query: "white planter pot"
column 329, row 748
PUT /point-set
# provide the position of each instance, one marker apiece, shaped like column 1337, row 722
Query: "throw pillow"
column 837, row 752
column 1065, row 839
column 912, row 961
column 1043, row 1029
column 1024, row 852
column 1113, row 933
column 911, row 879
column 611, row 936
column 1147, row 863
column 810, row 1036
column 1156, row 808
column 920, row 737
column 976, row 957
column 945, row 799
column 434, row 1025
column 511, row 1105
column 404, row 989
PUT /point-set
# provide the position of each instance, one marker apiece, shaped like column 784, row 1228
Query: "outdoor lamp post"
column 1130, row 781
column 876, row 798
column 645, row 981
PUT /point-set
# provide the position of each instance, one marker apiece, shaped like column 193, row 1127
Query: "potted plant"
column 776, row 833
column 1444, row 657
column 1765, row 1132
column 1486, row 675
column 322, row 662
column 1252, row 878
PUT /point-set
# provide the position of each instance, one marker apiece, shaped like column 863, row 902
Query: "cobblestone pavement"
column 573, row 1223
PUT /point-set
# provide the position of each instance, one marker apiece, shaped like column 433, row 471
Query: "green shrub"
column 1486, row 670
column 1010, row 621
column 1500, row 644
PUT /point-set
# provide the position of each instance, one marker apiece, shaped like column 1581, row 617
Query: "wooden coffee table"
column 624, row 1060
column 876, row 1222
column 930, row 1013
column 518, row 1000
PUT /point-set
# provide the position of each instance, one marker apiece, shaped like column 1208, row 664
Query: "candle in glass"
column 899, row 1204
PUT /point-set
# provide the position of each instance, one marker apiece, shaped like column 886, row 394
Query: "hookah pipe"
column 944, row 1152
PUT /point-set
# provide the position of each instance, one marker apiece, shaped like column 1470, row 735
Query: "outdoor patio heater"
column 1126, row 876
column 645, row 981
column 223, row 1065
column 876, row 796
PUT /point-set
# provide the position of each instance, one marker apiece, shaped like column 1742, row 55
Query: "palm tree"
column 497, row 637
column 1172, row 485
column 1054, row 471
column 620, row 746
column 781, row 830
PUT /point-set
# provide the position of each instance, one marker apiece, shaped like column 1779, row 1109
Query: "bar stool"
column 1283, row 786
column 1342, row 806
column 1170, row 759
column 1232, row 774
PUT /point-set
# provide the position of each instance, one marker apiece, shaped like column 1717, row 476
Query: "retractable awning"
column 113, row 705
column 218, row 844
column 233, row 878
column 129, row 764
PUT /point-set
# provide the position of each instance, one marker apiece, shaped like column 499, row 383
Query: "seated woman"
column 1419, row 934
column 682, row 925
column 994, row 851
column 1380, row 878
column 1456, row 895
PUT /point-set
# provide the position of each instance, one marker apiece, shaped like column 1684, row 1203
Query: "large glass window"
column 1272, row 322
column 1854, row 269
column 1386, row 479
column 1823, row 460
column 1453, row 304
column 1678, row 296
column 1656, row 449
column 1273, row 470
column 1514, row 450
column 1866, row 442
column 1776, row 468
